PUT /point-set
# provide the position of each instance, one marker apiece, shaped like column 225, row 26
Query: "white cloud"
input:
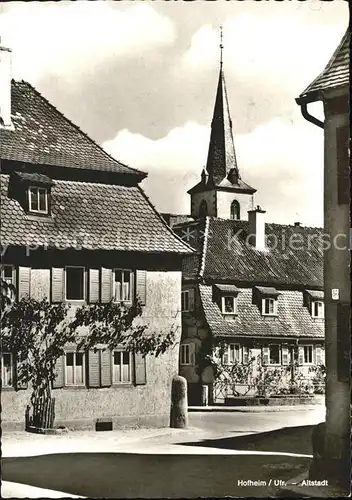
column 283, row 160
column 66, row 38
column 281, row 49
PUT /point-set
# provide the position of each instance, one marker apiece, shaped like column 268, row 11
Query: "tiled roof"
column 92, row 216
column 293, row 320
column 229, row 258
column 336, row 72
column 43, row 135
column 34, row 177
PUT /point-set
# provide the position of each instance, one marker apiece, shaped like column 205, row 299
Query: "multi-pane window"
column 274, row 354
column 232, row 354
column 122, row 290
column 185, row 354
column 38, row 200
column 229, row 304
column 75, row 283
column 6, row 369
column 269, row 307
column 317, row 309
column 308, row 354
column 122, row 367
column 8, row 275
column 74, row 368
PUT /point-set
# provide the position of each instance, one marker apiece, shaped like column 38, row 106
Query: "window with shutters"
column 122, row 285
column 317, row 309
column 75, row 283
column 6, row 370
column 185, row 354
column 269, row 307
column 9, row 276
column 75, row 369
column 232, row 354
column 308, row 354
column 121, row 367
column 274, row 354
column 38, row 200
column 229, row 304
column 187, row 300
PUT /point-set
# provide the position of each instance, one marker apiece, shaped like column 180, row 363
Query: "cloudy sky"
column 140, row 78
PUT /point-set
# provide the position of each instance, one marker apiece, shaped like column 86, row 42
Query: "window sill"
column 74, row 387
column 34, row 216
column 186, row 364
column 270, row 315
column 7, row 389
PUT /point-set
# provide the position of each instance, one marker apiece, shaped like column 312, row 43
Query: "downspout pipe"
column 303, row 104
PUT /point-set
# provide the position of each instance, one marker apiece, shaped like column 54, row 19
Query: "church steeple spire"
column 221, row 154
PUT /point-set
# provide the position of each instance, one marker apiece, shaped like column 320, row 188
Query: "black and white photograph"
column 175, row 249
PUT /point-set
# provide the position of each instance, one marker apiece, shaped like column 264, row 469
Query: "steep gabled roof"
column 228, row 257
column 337, row 71
column 43, row 135
column 90, row 216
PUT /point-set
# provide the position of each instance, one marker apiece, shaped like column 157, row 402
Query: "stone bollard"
column 204, row 395
column 179, row 406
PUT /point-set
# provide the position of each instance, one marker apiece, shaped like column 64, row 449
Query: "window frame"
column 76, row 301
column 131, row 282
column 312, row 310
column 306, row 346
column 275, row 306
column 280, row 355
column 183, row 358
column 38, row 189
column 185, row 293
column 235, row 209
column 238, row 350
column 130, row 367
column 234, row 299
column 74, row 384
column 3, row 385
column 12, row 294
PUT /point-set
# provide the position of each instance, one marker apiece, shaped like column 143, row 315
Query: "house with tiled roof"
column 77, row 227
column 254, row 287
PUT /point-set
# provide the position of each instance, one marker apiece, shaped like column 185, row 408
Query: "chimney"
column 5, row 86
column 297, row 224
column 256, row 219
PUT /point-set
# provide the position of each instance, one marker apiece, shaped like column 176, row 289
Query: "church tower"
column 221, row 191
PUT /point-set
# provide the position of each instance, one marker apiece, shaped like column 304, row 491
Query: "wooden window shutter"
column 141, row 285
column 266, row 355
column 140, row 369
column 93, row 285
column 105, row 367
column 19, row 383
column 343, row 170
column 106, row 284
column 225, row 356
column 245, row 355
column 300, row 355
column 93, row 368
column 191, row 299
column 59, row 372
column 57, row 284
column 285, row 355
column 24, row 279
column 192, row 353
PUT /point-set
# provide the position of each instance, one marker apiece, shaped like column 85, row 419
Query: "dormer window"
column 229, row 304
column 38, row 200
column 226, row 298
column 317, row 309
column 267, row 300
column 314, row 301
column 33, row 191
column 269, row 306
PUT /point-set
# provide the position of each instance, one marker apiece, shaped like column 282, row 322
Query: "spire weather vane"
column 221, row 45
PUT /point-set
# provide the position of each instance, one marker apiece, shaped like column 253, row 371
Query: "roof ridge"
column 163, row 221
column 78, row 128
column 204, row 250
